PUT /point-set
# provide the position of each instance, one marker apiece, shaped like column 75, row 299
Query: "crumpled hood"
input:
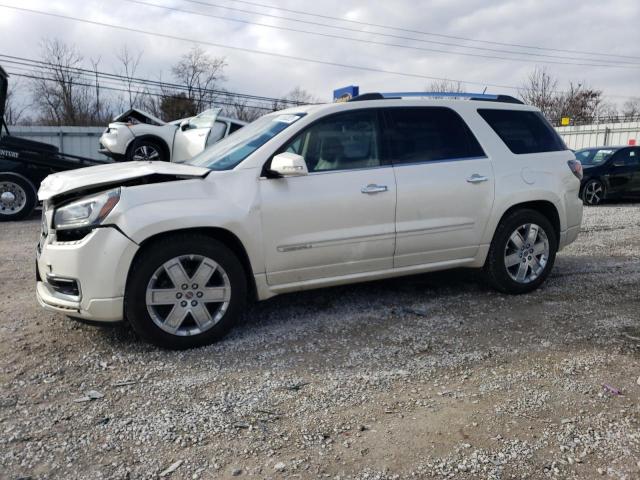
column 139, row 115
column 111, row 175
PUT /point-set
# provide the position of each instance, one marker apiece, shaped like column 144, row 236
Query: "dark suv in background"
column 609, row 173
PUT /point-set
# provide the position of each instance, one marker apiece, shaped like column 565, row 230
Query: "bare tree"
column 63, row 95
column 540, row 90
column 241, row 110
column 201, row 75
column 581, row 104
column 129, row 63
column 444, row 86
column 631, row 109
column 16, row 107
column 299, row 96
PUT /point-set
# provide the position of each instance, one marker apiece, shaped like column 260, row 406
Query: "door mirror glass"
column 184, row 124
column 289, row 164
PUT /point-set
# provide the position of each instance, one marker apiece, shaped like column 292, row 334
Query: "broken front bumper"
column 85, row 278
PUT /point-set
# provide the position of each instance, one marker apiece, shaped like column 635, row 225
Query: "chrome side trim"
column 335, row 242
column 442, row 229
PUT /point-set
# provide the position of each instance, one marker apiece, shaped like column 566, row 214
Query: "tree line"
column 61, row 91
column 576, row 101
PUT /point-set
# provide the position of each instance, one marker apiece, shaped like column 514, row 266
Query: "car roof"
column 605, row 147
column 386, row 103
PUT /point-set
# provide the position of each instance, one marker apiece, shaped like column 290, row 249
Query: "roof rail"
column 486, row 97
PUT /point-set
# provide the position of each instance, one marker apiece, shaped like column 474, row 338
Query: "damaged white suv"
column 381, row 186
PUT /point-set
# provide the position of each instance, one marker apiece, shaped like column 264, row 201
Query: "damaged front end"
column 75, row 202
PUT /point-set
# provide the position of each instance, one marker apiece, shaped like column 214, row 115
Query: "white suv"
column 381, row 186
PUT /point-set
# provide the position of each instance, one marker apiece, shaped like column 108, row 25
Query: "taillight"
column 576, row 168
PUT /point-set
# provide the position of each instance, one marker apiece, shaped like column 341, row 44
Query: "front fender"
column 145, row 211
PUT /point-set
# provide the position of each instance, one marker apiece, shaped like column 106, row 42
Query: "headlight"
column 86, row 212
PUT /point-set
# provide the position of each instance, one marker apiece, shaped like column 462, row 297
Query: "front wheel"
column 185, row 292
column 593, row 192
column 522, row 252
column 17, row 198
column 146, row 150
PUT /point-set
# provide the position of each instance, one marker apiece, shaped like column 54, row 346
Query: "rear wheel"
column 593, row 192
column 185, row 292
column 522, row 252
column 17, row 198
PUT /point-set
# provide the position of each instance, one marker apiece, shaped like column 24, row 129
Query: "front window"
column 230, row 151
column 340, row 142
column 594, row 156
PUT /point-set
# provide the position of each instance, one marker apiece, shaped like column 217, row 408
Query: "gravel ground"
column 432, row 376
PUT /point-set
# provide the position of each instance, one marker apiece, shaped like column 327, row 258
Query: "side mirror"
column 289, row 164
column 184, row 124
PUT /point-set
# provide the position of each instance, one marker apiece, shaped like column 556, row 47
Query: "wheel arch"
column 31, row 184
column 154, row 138
column 545, row 207
column 226, row 237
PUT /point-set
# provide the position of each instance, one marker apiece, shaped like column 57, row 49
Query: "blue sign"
column 345, row 94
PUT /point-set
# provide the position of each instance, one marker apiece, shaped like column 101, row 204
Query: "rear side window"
column 423, row 134
column 522, row 131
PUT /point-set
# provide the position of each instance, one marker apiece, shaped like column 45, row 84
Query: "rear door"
column 445, row 185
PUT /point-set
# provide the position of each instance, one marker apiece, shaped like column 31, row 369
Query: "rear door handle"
column 476, row 178
column 373, row 188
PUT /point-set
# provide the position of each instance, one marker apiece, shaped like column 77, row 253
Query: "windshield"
column 594, row 156
column 230, row 151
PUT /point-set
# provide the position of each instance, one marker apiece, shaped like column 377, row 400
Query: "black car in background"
column 609, row 173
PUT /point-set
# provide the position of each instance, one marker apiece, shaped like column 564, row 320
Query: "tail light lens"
column 576, row 168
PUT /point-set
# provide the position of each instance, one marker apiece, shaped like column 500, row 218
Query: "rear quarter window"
column 523, row 131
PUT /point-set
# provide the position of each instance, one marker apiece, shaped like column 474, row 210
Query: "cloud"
column 571, row 24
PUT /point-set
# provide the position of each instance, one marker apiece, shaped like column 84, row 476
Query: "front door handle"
column 373, row 188
column 475, row 178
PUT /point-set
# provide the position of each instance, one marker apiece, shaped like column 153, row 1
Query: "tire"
column 500, row 270
column 593, row 192
column 17, row 198
column 154, row 277
column 145, row 149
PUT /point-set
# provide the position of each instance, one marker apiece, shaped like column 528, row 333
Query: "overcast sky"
column 611, row 27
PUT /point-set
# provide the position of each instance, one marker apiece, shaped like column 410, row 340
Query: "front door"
column 340, row 218
column 445, row 185
column 623, row 169
column 191, row 139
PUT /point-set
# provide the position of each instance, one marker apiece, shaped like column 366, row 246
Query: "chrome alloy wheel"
column 13, row 198
column 526, row 253
column 188, row 295
column 593, row 193
column 146, row 152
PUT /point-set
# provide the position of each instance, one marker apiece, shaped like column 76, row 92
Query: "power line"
column 397, row 45
column 36, row 76
column 422, row 32
column 137, row 80
column 264, row 53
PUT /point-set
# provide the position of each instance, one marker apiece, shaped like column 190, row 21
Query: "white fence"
column 583, row 136
column 80, row 141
